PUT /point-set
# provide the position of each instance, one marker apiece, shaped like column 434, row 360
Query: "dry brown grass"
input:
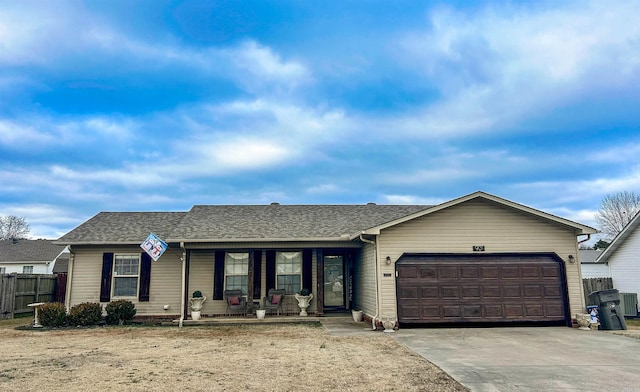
column 214, row 358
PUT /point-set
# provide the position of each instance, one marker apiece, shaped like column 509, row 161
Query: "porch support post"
column 184, row 285
column 250, row 277
column 319, row 282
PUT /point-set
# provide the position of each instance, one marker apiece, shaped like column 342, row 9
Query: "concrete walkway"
column 530, row 359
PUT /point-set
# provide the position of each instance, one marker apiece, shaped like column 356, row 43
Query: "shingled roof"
column 123, row 227
column 23, row 250
column 211, row 223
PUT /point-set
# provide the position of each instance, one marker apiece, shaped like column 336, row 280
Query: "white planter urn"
column 389, row 325
column 303, row 302
column 260, row 313
column 357, row 315
column 196, row 304
column 583, row 321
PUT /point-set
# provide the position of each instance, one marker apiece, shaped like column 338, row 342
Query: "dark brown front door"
column 450, row 288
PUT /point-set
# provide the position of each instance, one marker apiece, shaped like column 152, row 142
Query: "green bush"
column 86, row 313
column 52, row 314
column 120, row 312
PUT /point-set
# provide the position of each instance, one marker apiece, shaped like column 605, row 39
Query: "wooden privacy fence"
column 595, row 284
column 19, row 290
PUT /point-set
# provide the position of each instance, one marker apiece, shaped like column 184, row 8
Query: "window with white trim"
column 289, row 271
column 27, row 269
column 236, row 271
column 126, row 273
column 3, row 270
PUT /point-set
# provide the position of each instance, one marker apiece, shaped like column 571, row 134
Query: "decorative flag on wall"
column 154, row 246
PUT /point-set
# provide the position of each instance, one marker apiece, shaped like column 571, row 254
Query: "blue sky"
column 156, row 106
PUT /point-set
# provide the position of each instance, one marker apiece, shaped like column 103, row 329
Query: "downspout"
column 184, row 273
column 67, row 291
column 585, row 240
column 375, row 258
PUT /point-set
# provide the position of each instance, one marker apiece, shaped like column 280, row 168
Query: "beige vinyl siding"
column 365, row 271
column 477, row 222
column 165, row 285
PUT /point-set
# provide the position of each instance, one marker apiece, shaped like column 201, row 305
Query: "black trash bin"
column 609, row 312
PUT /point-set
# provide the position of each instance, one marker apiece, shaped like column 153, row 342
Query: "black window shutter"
column 105, row 283
column 307, row 277
column 257, row 273
column 218, row 275
column 271, row 269
column 145, row 277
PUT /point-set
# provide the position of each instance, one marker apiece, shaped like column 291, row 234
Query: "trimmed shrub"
column 86, row 313
column 52, row 314
column 120, row 312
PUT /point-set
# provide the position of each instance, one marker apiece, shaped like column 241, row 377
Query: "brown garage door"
column 454, row 288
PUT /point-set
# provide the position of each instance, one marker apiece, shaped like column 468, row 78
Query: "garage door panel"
column 469, row 272
column 431, row 292
column 468, row 288
column 512, row 291
column 491, row 292
column 410, row 292
column 532, row 291
column 489, row 272
column 470, row 292
column 552, row 292
column 510, row 272
column 450, row 292
column 493, row 311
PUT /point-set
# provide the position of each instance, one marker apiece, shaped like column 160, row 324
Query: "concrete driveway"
column 530, row 359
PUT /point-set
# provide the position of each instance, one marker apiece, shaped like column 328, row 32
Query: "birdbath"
column 36, row 305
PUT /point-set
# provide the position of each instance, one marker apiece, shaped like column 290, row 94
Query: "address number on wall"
column 478, row 248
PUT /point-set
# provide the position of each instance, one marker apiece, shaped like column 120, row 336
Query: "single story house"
column 475, row 259
column 591, row 269
column 622, row 257
column 29, row 256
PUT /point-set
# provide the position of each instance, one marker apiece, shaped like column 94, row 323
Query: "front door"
column 334, row 282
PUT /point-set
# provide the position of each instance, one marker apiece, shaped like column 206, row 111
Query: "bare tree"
column 616, row 211
column 13, row 227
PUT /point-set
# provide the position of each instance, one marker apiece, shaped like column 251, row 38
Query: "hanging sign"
column 154, row 246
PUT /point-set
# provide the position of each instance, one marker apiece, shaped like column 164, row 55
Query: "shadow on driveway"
column 530, row 358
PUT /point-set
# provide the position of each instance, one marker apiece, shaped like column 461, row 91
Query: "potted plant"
column 304, row 298
column 261, row 312
column 196, row 302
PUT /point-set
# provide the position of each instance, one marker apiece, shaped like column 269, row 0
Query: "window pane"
column 126, row 265
column 236, row 268
column 125, row 287
column 291, row 283
column 237, row 283
column 27, row 269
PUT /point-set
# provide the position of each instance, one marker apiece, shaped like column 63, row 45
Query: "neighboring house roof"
column 588, row 256
column 274, row 222
column 29, row 251
column 580, row 228
column 619, row 240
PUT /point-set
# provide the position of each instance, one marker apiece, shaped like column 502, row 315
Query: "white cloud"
column 411, row 199
column 500, row 65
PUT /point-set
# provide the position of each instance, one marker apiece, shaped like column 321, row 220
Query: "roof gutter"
column 375, row 257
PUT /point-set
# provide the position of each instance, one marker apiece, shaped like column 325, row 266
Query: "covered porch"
column 215, row 269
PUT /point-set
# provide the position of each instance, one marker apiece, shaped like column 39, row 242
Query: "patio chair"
column 236, row 303
column 274, row 300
